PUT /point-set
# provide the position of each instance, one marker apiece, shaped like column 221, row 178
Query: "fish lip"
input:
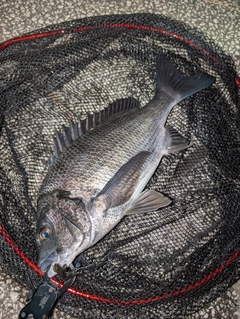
column 47, row 262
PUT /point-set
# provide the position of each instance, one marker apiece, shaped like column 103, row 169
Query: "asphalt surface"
column 219, row 20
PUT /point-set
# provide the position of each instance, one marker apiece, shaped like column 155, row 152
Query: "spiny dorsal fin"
column 69, row 134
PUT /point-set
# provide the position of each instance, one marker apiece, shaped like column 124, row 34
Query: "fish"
column 101, row 165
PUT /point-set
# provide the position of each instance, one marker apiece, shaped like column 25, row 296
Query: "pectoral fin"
column 148, row 201
column 122, row 185
column 177, row 141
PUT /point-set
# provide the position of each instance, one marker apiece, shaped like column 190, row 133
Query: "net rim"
column 117, row 302
column 105, row 26
column 30, row 263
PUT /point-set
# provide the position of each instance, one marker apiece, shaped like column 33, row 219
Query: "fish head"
column 63, row 230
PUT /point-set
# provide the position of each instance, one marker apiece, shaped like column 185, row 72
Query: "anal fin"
column 177, row 141
column 148, row 201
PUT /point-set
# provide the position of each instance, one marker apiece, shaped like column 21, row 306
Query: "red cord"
column 110, row 25
column 116, row 301
column 79, row 292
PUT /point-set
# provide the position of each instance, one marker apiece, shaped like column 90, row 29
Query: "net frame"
column 214, row 281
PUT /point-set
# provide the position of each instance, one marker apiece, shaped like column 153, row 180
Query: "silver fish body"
column 101, row 175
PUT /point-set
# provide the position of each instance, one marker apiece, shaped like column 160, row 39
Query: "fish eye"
column 44, row 233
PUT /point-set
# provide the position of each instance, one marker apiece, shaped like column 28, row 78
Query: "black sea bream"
column 102, row 165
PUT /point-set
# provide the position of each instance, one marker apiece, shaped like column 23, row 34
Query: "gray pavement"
column 219, row 20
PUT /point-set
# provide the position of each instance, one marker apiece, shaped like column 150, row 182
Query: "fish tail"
column 173, row 82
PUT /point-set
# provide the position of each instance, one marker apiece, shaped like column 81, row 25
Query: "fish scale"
column 101, row 166
column 82, row 155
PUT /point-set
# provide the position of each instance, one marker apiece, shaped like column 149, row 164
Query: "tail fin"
column 173, row 82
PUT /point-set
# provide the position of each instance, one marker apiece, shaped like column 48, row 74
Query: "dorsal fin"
column 69, row 134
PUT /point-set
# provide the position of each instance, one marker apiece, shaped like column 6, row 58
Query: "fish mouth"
column 45, row 263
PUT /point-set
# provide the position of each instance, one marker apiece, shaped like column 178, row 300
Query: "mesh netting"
column 165, row 264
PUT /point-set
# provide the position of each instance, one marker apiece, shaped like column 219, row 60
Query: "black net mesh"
column 166, row 264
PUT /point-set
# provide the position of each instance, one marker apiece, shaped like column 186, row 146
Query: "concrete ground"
column 218, row 19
